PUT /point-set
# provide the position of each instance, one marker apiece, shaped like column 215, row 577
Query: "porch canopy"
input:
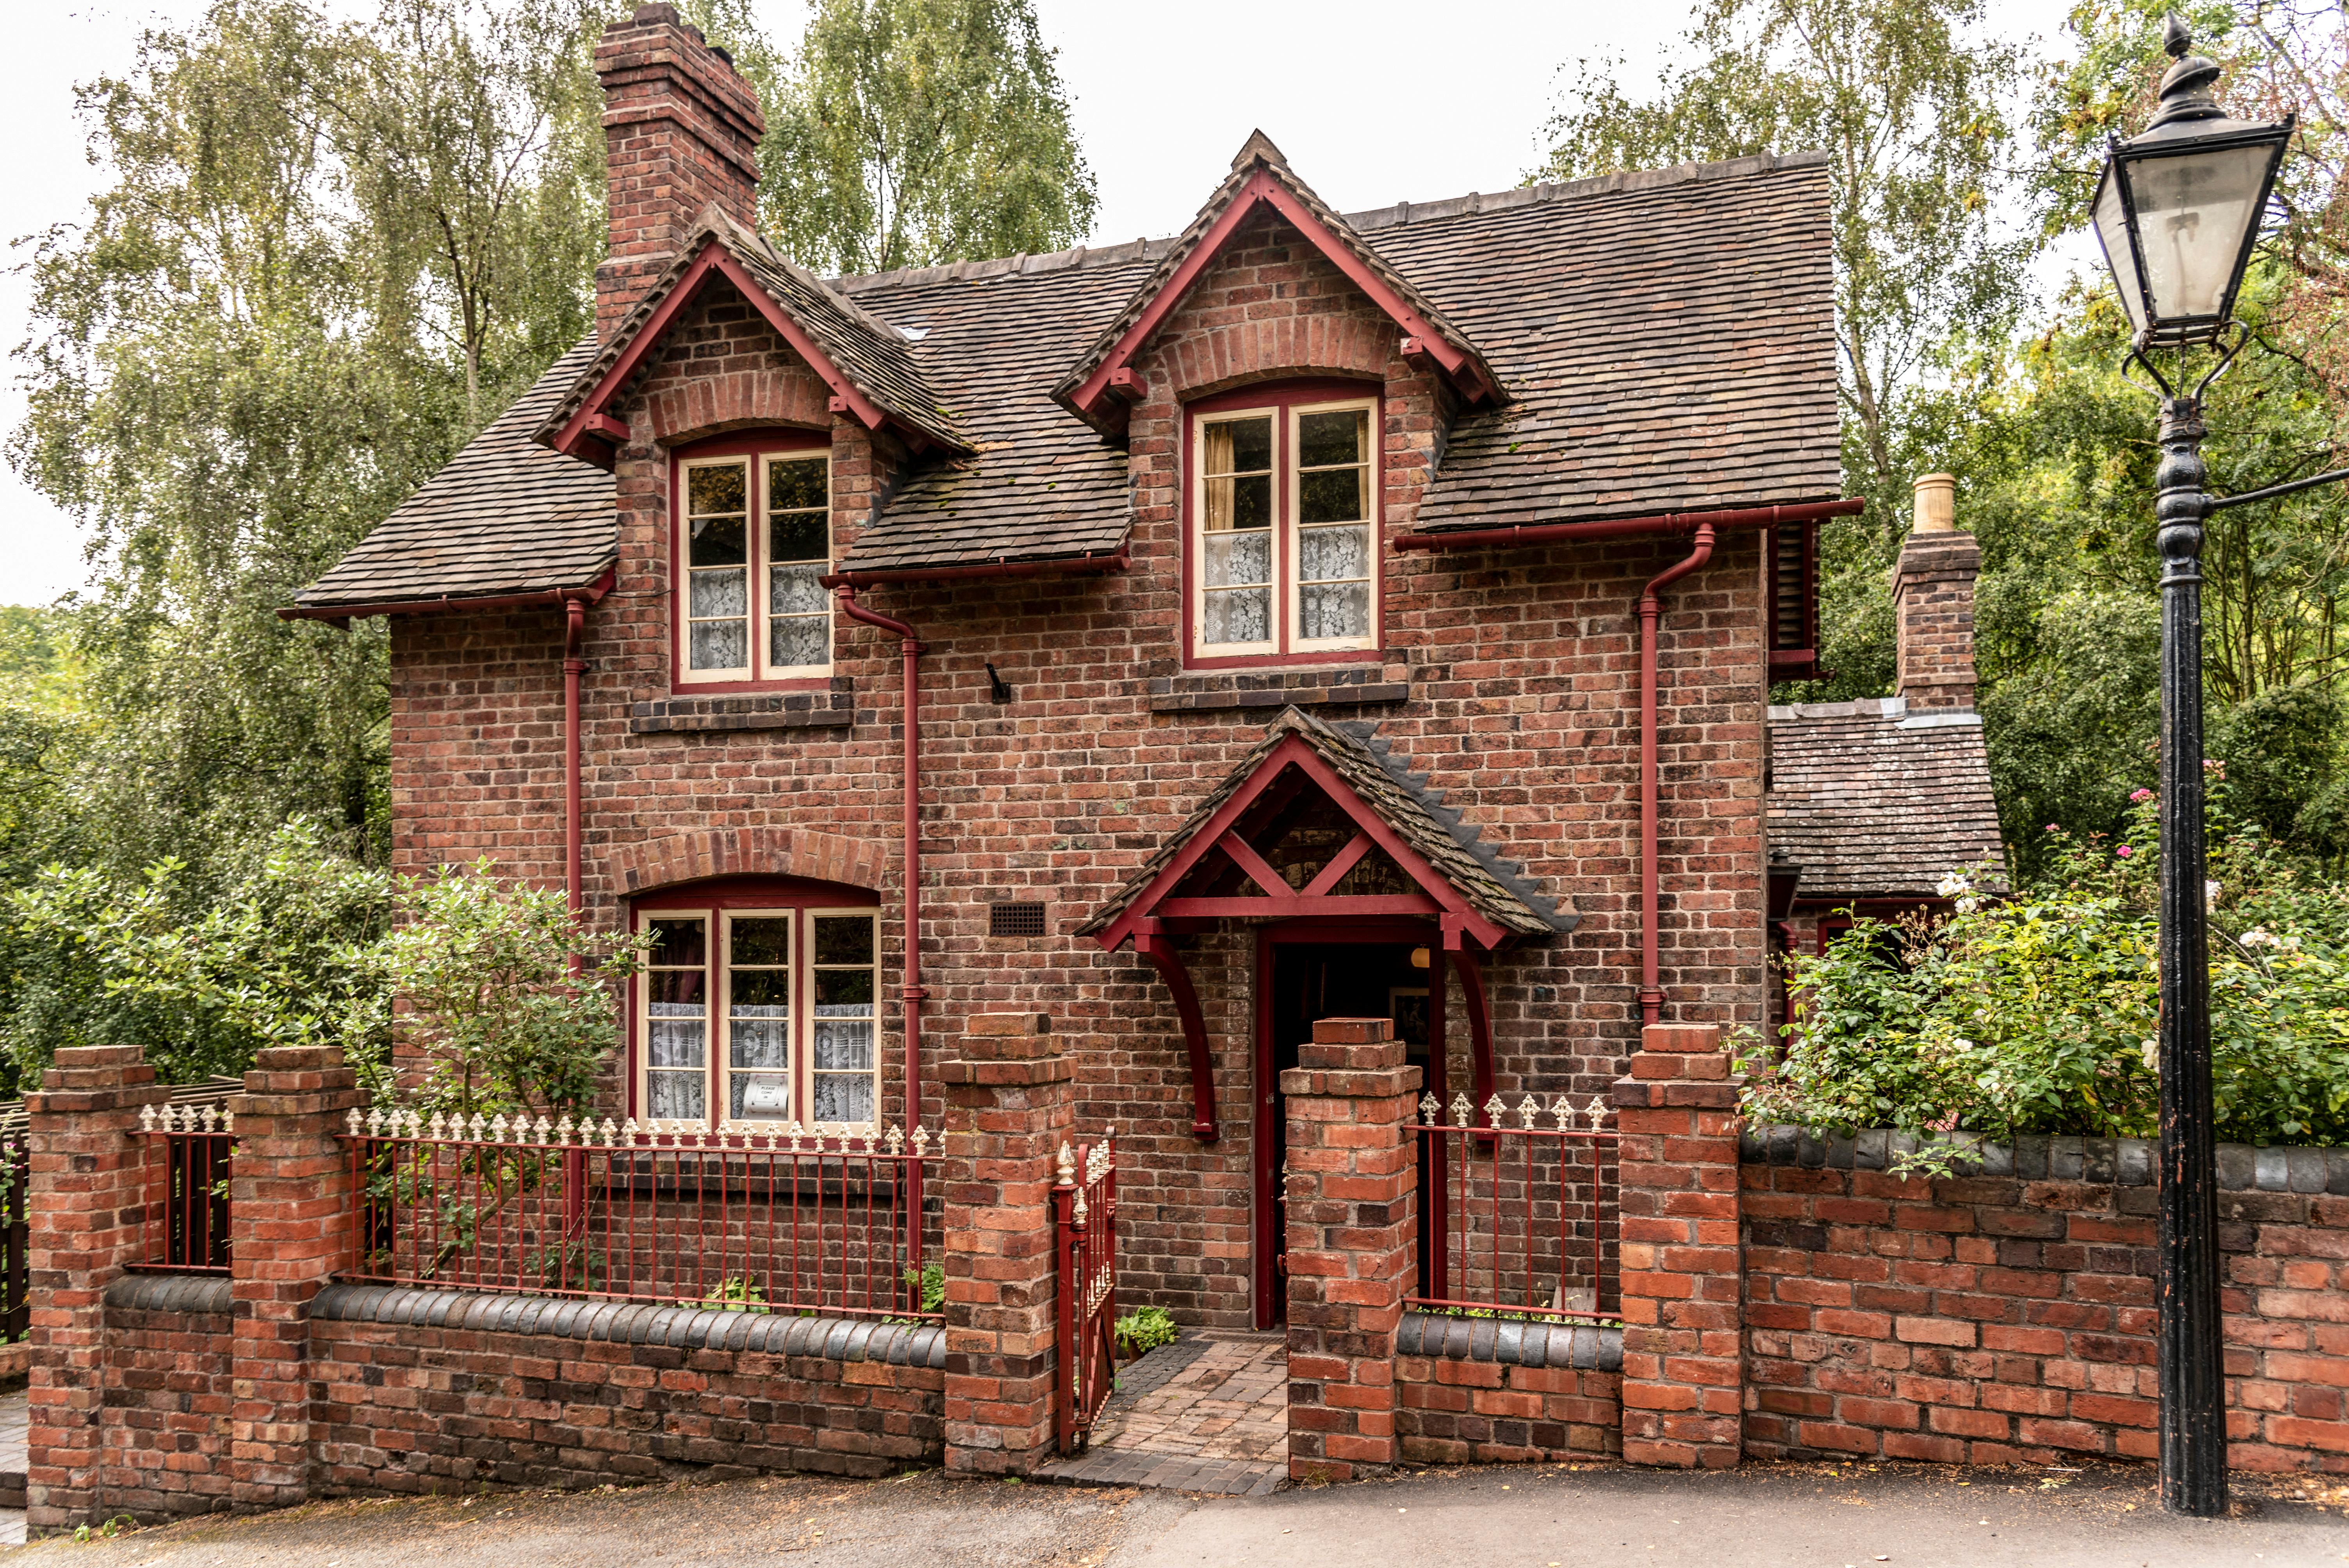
column 1320, row 822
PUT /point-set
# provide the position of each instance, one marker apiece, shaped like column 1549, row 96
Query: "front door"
column 1299, row 982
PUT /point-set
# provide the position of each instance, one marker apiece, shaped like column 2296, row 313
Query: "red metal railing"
column 1525, row 1225
column 756, row 1220
column 185, row 1227
column 1084, row 1214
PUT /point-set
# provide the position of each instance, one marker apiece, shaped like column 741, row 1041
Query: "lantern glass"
column 2197, row 213
column 2120, row 252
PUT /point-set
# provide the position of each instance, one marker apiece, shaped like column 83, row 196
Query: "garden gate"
column 1084, row 1211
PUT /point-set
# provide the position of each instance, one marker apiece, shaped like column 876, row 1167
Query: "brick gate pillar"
column 1682, row 1267
column 1010, row 1101
column 84, row 1209
column 1352, row 1244
column 289, row 1230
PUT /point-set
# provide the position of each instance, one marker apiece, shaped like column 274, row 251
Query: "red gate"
column 1084, row 1211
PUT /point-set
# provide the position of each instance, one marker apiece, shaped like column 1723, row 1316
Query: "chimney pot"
column 1933, row 601
column 1937, row 503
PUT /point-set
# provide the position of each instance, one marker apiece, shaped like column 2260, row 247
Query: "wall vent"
column 1015, row 920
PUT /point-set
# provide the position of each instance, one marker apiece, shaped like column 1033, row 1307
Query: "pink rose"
column 2123, row 850
column 2140, row 797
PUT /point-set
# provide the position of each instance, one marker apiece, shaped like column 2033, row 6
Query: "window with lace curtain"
column 754, row 539
column 1285, row 525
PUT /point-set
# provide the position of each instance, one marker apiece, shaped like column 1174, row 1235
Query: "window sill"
column 820, row 709
column 1332, row 686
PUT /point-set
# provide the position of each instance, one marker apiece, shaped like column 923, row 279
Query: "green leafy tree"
column 910, row 132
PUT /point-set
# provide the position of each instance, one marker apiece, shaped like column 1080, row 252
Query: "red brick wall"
column 164, row 1438
column 1481, row 1412
column 403, row 1408
column 1993, row 1319
column 1523, row 709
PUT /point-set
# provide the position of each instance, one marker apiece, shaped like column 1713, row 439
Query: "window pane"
column 678, row 943
column 1335, row 610
column 722, row 592
column 840, row 1098
column 721, row 645
column 723, row 487
column 1241, row 616
column 796, row 482
column 676, row 1097
column 1237, row 560
column 799, row 536
column 843, row 940
column 1240, row 446
column 1240, row 503
column 758, row 1042
column 839, row 988
column 718, row 542
column 842, row 1044
column 675, row 1043
column 759, row 1097
column 760, row 941
column 759, row 989
column 800, row 641
column 1333, row 495
column 795, row 591
column 1326, row 438
column 1326, row 553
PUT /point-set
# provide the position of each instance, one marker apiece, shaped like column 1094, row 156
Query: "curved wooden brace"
column 1169, row 965
column 1480, row 1029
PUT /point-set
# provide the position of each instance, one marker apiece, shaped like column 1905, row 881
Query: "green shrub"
column 1146, row 1328
column 2038, row 1012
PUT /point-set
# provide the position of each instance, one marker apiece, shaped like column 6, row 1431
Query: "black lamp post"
column 2177, row 210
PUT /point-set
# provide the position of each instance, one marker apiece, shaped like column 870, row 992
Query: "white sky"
column 1372, row 104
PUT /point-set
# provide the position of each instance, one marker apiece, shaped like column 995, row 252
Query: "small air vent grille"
column 1015, row 920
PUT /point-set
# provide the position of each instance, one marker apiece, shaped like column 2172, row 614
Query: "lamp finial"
column 2175, row 37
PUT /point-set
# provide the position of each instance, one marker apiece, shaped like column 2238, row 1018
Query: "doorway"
column 1305, row 976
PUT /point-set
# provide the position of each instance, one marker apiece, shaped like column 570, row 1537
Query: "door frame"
column 1268, row 1287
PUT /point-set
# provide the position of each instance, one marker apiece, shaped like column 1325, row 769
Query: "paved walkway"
column 15, row 1422
column 1208, row 1413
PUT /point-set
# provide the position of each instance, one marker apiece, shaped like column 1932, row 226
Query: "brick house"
column 1310, row 614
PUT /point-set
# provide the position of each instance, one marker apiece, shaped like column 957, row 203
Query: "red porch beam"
column 1297, row 907
column 1163, row 957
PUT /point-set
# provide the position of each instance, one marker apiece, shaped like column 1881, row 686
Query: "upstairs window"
column 754, row 539
column 1284, row 507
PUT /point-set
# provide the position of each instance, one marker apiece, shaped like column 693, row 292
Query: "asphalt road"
column 1512, row 1517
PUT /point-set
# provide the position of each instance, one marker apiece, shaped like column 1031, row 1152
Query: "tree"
column 910, row 132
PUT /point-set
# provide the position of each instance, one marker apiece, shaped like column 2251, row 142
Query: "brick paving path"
column 15, row 1423
column 1219, row 1424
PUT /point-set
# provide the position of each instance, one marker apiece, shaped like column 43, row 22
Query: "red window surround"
column 1282, row 401
column 751, row 445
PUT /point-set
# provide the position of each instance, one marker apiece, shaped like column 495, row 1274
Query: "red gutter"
column 1625, row 526
column 1651, row 995
column 447, row 602
column 912, row 988
column 1063, row 566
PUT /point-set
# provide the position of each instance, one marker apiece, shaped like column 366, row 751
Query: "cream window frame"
column 758, row 519
column 722, row 1053
column 1198, row 609
column 864, row 912
column 1291, row 468
column 640, row 1049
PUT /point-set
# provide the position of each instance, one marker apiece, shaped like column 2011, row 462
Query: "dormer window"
column 1284, row 506
column 754, row 539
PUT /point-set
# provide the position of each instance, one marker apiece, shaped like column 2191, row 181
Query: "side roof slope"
column 1870, row 802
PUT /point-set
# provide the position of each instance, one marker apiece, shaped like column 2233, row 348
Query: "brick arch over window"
column 1300, row 347
column 681, row 410
column 747, row 851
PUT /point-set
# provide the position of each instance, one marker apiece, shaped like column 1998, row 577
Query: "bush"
column 1143, row 1329
column 2038, row 1013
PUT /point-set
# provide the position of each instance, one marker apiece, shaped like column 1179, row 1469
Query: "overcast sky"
column 1371, row 104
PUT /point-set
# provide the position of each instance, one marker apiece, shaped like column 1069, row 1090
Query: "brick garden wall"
column 1475, row 1391
column 169, row 1389
column 2009, row 1315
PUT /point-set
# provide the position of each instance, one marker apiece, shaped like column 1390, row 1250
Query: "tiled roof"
column 1665, row 342
column 505, row 516
column 875, row 357
column 1869, row 800
column 1495, row 888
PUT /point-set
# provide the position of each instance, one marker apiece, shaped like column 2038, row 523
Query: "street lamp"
column 2177, row 212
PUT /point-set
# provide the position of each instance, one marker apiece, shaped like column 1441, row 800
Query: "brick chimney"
column 1933, row 601
column 681, row 129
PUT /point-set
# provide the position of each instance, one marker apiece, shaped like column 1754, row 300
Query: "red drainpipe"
column 575, row 622
column 1651, row 995
column 912, row 989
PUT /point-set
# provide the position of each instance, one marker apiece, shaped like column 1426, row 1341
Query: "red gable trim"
column 591, row 421
column 1437, row 897
column 1454, row 359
